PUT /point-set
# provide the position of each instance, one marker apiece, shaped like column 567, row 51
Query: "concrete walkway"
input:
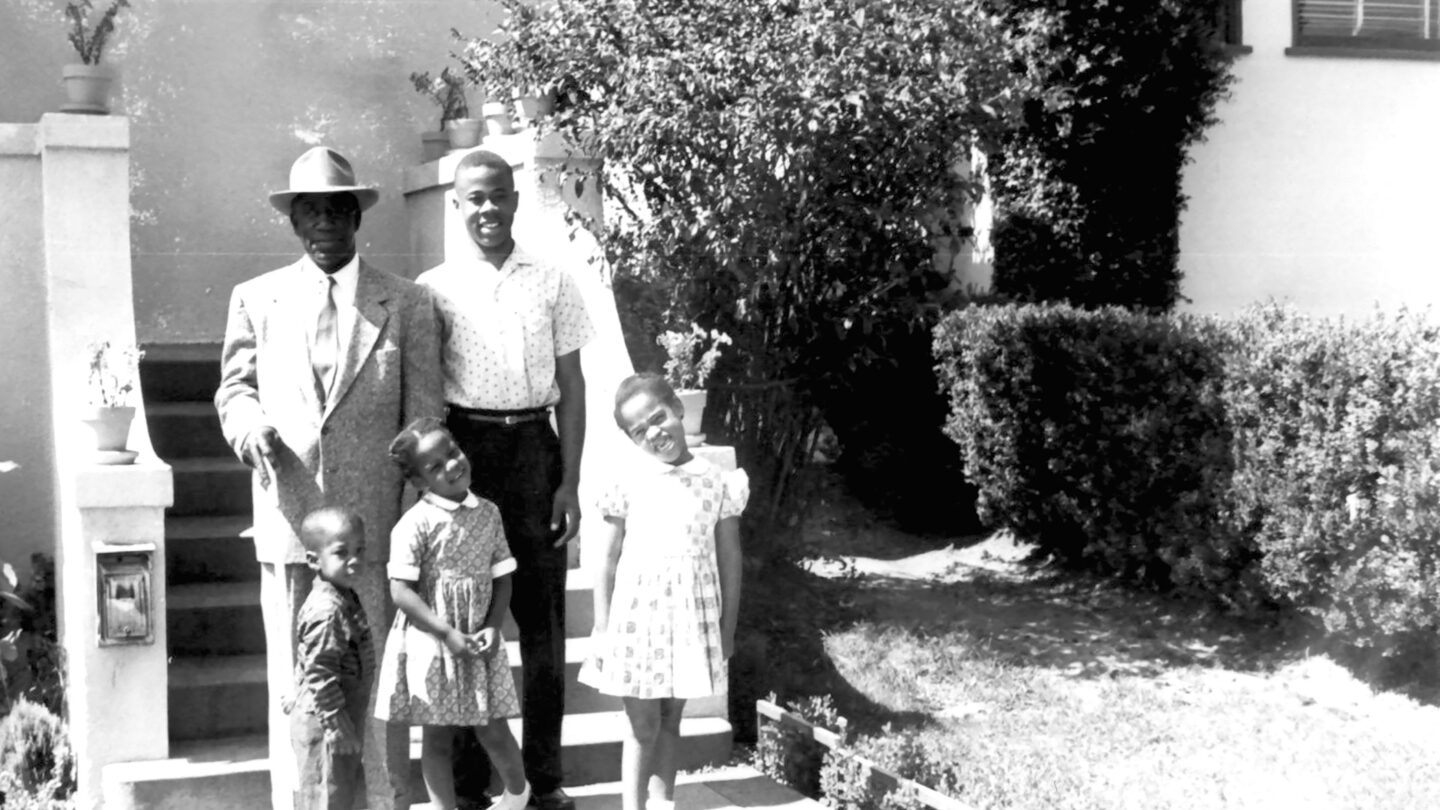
column 719, row 789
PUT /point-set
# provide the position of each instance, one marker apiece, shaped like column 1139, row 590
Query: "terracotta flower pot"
column 464, row 133
column 694, row 401
column 87, row 88
column 110, row 430
column 497, row 118
column 433, row 145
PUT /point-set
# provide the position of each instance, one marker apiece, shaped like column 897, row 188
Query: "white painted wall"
column 1319, row 187
column 222, row 97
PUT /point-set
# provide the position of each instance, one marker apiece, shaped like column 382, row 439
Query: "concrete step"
column 217, row 696
column 215, row 619
column 209, row 548
column 216, row 486
column 224, row 695
column 234, row 772
column 185, row 430
column 180, row 372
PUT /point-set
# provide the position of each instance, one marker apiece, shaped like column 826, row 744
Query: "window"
column 1368, row 25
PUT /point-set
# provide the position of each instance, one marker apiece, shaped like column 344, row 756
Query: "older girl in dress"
column 667, row 592
column 445, row 663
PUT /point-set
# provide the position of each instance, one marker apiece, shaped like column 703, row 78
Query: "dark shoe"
column 481, row 803
column 556, row 799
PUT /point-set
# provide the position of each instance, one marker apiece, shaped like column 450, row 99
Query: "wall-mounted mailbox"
column 127, row 613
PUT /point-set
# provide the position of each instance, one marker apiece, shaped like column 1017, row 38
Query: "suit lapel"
column 300, row 312
column 371, row 296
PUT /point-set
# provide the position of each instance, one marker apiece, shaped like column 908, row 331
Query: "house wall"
column 222, row 97
column 1317, row 187
column 27, row 495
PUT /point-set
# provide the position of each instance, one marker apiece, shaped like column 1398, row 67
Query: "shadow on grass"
column 780, row 649
column 1090, row 627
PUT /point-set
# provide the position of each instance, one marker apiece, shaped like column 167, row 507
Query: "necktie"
column 325, row 353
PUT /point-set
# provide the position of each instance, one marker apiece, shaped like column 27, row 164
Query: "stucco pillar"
column 117, row 692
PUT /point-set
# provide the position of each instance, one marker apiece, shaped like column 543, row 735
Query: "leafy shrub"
column 1102, row 436
column 35, row 754
column 781, row 171
column 846, row 783
column 31, row 658
column 790, row 755
column 1337, row 454
column 1268, row 459
column 1088, row 186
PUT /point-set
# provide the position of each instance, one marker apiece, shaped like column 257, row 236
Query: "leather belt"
column 506, row 418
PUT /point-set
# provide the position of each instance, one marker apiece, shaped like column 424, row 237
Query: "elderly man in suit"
column 324, row 361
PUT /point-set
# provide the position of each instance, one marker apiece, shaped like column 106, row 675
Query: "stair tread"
column 190, row 672
column 208, row 527
column 204, row 464
column 249, row 752
column 210, row 595
column 183, row 353
column 181, row 408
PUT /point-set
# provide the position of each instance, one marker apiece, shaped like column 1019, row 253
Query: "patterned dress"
column 663, row 637
column 451, row 553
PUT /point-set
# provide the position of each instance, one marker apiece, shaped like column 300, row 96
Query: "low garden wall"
column 1270, row 459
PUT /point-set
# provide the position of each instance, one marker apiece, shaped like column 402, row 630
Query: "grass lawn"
column 1058, row 691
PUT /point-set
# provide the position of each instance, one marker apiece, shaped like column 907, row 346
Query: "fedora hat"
column 322, row 170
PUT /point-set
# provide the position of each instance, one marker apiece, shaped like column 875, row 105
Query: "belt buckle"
column 509, row 420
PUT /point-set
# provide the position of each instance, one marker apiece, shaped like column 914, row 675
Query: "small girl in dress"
column 445, row 662
column 667, row 592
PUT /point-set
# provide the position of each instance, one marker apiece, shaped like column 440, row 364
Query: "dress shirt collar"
column 517, row 260
column 471, row 501
column 346, row 278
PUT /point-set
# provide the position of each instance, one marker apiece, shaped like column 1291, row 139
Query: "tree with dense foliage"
column 1089, row 185
column 783, row 171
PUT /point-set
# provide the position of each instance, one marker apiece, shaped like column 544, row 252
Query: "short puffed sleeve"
column 407, row 541
column 502, row 562
column 737, row 492
column 614, row 501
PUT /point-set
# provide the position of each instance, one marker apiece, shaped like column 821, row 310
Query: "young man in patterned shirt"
column 512, row 328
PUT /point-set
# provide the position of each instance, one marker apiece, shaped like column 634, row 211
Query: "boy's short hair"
column 646, row 382
column 485, row 159
column 405, row 444
column 325, row 523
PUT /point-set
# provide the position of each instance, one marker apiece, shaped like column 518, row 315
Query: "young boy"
column 334, row 664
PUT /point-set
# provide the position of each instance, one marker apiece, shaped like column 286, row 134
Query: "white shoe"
column 659, row 804
column 513, row 801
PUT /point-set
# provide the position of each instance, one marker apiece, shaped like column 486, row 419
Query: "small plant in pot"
column 447, row 90
column 87, row 84
column 114, row 371
column 688, row 366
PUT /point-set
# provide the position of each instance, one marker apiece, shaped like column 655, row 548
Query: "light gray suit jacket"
column 335, row 451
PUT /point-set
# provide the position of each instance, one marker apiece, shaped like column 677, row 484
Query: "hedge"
column 1271, row 459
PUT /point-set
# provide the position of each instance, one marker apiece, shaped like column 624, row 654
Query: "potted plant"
column 457, row 128
column 687, row 368
column 87, row 85
column 113, row 377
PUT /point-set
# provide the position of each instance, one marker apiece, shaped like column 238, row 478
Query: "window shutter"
column 1389, row 23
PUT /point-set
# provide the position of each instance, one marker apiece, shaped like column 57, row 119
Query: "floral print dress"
column 451, row 553
column 663, row 636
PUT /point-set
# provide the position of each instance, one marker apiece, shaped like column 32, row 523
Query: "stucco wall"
column 27, row 496
column 1318, row 186
column 222, row 97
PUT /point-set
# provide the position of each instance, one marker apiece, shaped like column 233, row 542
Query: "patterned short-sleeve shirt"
column 503, row 328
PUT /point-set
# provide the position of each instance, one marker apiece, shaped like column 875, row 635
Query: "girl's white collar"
column 471, row 501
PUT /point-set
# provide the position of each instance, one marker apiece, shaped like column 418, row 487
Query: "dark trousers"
column 519, row 467
column 328, row 781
